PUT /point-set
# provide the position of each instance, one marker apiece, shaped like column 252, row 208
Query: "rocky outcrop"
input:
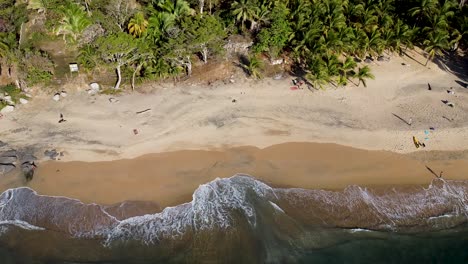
column 12, row 159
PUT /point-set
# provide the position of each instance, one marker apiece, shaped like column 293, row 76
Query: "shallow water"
column 242, row 220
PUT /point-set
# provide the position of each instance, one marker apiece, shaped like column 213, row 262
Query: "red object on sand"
column 294, row 88
column 135, row 131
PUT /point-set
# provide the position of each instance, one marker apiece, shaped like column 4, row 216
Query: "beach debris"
column 450, row 92
column 403, row 120
column 63, row 94
column 61, row 119
column 56, row 97
column 448, row 103
column 417, row 143
column 449, row 119
column 23, row 101
column 278, row 76
column 405, row 64
column 431, row 128
column 234, row 100
column 113, row 100
column 431, row 171
column 143, row 111
column 429, row 86
column 135, row 131
column 294, row 88
column 52, row 154
column 7, row 109
column 410, row 121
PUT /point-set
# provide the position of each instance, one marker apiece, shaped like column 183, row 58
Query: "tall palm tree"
column 137, row 25
column 244, row 10
column 435, row 43
column 363, row 74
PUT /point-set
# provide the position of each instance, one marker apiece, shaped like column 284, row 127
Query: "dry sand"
column 265, row 113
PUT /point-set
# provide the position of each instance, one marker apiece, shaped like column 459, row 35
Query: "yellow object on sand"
column 416, row 142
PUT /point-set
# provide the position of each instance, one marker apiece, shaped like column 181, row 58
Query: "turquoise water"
column 242, row 220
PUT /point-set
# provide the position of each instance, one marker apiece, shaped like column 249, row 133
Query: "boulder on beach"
column 52, row 154
column 56, row 97
column 7, row 109
column 23, row 101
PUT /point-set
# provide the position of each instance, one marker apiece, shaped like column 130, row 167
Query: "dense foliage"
column 160, row 38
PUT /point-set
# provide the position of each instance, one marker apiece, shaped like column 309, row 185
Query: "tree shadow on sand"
column 455, row 64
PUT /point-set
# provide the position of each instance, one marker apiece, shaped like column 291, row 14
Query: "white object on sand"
column 23, row 101
column 7, row 109
column 63, row 94
column 56, row 97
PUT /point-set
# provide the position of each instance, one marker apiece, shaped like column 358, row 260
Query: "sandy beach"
column 195, row 133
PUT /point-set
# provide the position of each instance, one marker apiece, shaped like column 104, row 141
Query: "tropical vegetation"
column 326, row 40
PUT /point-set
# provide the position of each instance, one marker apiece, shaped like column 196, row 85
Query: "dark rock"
column 27, row 157
column 9, row 153
column 28, row 170
column 367, row 60
column 52, row 154
column 8, row 160
column 5, row 168
column 383, row 58
column 2, row 144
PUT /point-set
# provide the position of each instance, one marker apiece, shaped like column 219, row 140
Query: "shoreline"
column 170, row 178
column 199, row 133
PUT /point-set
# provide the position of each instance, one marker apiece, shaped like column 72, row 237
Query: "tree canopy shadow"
column 455, row 64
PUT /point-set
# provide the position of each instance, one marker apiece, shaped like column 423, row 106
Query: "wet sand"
column 170, row 178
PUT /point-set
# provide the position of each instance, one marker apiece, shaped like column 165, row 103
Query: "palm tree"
column 401, row 35
column 435, row 43
column 347, row 68
column 363, row 74
column 425, row 9
column 73, row 23
column 253, row 67
column 176, row 7
column 88, row 58
column 137, row 25
column 243, row 10
column 158, row 25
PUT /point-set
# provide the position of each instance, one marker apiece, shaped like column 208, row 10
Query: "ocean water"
column 242, row 220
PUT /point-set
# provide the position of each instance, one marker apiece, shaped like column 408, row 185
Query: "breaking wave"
column 237, row 213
